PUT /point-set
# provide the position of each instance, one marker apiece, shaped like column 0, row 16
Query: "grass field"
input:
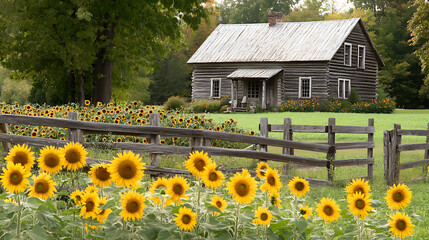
column 409, row 119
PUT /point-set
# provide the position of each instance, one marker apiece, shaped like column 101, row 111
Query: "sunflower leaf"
column 109, row 204
column 37, row 233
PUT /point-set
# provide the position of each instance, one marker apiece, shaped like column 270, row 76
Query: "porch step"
column 240, row 110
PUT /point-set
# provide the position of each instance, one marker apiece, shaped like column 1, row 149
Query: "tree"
column 252, row 11
column 310, row 10
column 79, row 49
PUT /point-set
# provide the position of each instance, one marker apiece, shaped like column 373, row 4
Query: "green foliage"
column 252, row 11
column 354, row 96
column 174, row 102
column 418, row 26
column 374, row 106
column 11, row 90
column 203, row 106
column 309, row 10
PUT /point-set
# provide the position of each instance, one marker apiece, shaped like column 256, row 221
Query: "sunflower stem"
column 237, row 214
column 18, row 218
column 198, row 206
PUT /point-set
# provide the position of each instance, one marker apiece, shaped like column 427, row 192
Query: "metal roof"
column 284, row 42
column 254, row 73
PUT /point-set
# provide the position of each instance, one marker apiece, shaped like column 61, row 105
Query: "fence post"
column 387, row 142
column 154, row 139
column 330, row 156
column 74, row 135
column 263, row 129
column 6, row 145
column 288, row 135
column 370, row 152
column 425, row 165
column 395, row 155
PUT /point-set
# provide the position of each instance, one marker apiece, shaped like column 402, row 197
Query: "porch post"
column 232, row 94
column 264, row 98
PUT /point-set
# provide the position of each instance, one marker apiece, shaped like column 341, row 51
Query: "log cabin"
column 266, row 63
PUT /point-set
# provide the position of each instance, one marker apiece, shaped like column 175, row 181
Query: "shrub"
column 174, row 102
column 374, row 106
column 204, row 106
column 354, row 96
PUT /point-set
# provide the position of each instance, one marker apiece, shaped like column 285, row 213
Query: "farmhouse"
column 267, row 63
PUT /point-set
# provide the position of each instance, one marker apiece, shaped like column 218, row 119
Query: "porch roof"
column 261, row 73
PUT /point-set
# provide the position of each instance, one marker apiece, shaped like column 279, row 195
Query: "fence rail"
column 392, row 152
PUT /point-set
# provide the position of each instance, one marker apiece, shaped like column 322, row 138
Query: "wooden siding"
column 365, row 80
column 294, row 70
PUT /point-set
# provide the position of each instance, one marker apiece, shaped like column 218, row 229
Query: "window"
column 343, row 88
column 305, row 87
column 215, row 88
column 347, row 54
column 361, row 57
column 253, row 89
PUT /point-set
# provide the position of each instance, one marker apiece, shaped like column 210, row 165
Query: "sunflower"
column 263, row 216
column 51, row 159
column 328, row 209
column 103, row 214
column 176, row 188
column 91, row 189
column 77, row 197
column 358, row 185
column 21, row 154
column 186, row 219
column 127, row 169
column 160, row 182
column 359, row 205
column 132, row 205
column 212, row 177
column 299, row 186
column 196, row 163
column 275, row 199
column 90, row 203
column 272, row 181
column 43, row 187
column 87, row 102
column 15, row 178
column 100, row 175
column 400, row 224
column 398, row 196
column 219, row 203
column 261, row 168
column 242, row 187
column 75, row 156
column 305, row 211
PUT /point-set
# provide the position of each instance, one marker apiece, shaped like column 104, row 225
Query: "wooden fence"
column 393, row 147
column 288, row 129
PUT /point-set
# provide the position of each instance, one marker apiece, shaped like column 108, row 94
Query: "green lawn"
column 408, row 119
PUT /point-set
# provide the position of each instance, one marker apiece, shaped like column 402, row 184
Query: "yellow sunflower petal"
column 400, row 224
column 186, row 219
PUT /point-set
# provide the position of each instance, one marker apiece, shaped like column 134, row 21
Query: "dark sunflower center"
column 264, row 216
column 397, row 197
column 42, row 187
column 78, row 198
column 20, row 157
column 213, row 176
column 132, row 206
column 102, row 174
column 328, row 210
column 303, row 212
column 360, row 204
column 219, row 204
column 359, row 190
column 200, row 164
column 242, row 189
column 127, row 169
column 52, row 160
column 90, row 206
column 16, row 178
column 72, row 156
column 401, row 225
column 186, row 219
column 178, row 189
column 299, row 186
column 261, row 170
column 271, row 180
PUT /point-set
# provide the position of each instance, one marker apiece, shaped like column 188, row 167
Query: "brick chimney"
column 274, row 17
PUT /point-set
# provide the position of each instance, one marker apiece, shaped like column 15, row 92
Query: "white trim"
column 363, row 57
column 344, row 87
column 300, row 86
column 211, row 87
column 350, row 53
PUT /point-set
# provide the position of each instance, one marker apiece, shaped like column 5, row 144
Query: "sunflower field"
column 131, row 113
column 53, row 198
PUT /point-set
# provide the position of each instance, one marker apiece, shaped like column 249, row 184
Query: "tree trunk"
column 103, row 67
column 71, row 85
column 82, row 89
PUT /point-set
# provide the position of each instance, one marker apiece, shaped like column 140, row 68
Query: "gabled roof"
column 284, row 42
